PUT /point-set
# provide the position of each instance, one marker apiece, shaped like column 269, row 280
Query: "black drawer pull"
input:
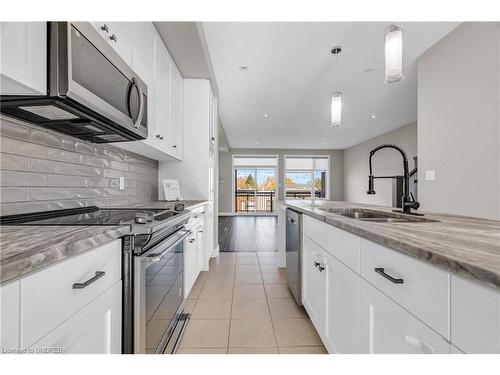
column 380, row 271
column 98, row 275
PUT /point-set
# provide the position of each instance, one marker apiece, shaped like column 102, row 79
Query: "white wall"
column 384, row 162
column 226, row 172
column 459, row 122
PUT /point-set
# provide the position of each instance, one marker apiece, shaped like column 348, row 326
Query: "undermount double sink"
column 377, row 216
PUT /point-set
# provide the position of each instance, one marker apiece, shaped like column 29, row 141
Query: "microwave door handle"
column 141, row 104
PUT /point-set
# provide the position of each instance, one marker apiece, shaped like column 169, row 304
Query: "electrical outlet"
column 430, row 175
column 122, row 183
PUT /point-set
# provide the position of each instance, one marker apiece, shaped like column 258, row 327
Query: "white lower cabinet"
column 73, row 306
column 475, row 317
column 9, row 316
column 95, row 329
column 314, row 284
column 342, row 304
column 394, row 303
column 385, row 327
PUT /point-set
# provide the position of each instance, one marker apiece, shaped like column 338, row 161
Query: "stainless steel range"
column 153, row 316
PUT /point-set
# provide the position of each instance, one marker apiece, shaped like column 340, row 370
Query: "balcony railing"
column 251, row 201
column 303, row 194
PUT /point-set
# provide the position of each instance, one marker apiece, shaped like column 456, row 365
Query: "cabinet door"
column 95, row 329
column 200, row 250
column 9, row 315
column 162, row 97
column 385, row 327
column 175, row 134
column 189, row 263
column 314, row 283
column 475, row 316
column 342, row 307
column 23, row 58
column 122, row 37
column 143, row 56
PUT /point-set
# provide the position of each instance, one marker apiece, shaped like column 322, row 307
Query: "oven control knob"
column 141, row 218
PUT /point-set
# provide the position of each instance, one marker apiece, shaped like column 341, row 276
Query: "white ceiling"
column 292, row 73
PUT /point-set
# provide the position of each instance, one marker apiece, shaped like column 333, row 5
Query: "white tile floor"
column 243, row 306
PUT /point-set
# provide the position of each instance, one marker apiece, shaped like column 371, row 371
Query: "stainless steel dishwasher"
column 294, row 253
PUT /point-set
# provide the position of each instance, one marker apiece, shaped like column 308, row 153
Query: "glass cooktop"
column 82, row 216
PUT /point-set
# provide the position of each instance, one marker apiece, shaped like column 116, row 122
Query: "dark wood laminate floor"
column 248, row 233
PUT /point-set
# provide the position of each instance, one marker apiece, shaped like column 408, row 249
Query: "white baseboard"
column 215, row 252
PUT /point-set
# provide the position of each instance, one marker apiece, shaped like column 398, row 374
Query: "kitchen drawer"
column 424, row 291
column 95, row 329
column 341, row 244
column 475, row 316
column 386, row 328
column 48, row 297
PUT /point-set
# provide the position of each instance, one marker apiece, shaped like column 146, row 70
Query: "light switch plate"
column 122, row 183
column 430, row 175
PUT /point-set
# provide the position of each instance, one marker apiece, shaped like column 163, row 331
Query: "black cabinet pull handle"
column 316, row 264
column 381, row 271
column 98, row 275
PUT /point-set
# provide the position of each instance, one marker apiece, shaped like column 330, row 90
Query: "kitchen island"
column 402, row 285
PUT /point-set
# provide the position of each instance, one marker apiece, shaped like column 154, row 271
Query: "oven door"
column 86, row 69
column 158, row 297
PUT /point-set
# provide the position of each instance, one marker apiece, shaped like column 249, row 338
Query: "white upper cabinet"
column 163, row 87
column 23, row 58
column 176, row 103
column 152, row 62
column 121, row 36
column 387, row 328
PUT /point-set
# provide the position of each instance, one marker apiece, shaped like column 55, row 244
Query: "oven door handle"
column 153, row 256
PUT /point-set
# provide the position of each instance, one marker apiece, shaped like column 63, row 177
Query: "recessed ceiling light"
column 257, row 143
column 244, row 67
column 267, row 115
column 324, row 143
column 373, row 116
column 368, row 70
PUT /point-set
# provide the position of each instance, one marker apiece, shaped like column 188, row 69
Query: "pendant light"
column 336, row 106
column 393, row 54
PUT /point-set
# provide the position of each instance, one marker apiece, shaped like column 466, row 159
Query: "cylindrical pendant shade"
column 393, row 54
column 336, row 109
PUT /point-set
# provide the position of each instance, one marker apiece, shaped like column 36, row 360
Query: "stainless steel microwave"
column 92, row 93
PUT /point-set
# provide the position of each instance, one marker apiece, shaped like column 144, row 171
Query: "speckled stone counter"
column 463, row 245
column 24, row 249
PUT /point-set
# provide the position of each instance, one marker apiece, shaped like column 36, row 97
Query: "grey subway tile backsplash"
column 24, row 148
column 50, row 193
column 51, row 139
column 21, row 208
column 51, row 166
column 14, row 162
column 15, row 178
column 13, row 129
column 83, row 170
column 14, row 194
column 67, row 181
column 44, row 170
column 65, row 156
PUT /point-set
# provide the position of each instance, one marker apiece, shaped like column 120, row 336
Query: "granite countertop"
column 463, row 245
column 24, row 249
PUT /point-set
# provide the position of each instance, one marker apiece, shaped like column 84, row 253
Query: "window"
column 254, row 183
column 306, row 177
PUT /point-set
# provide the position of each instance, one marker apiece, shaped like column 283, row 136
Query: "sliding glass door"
column 255, row 189
column 254, row 184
